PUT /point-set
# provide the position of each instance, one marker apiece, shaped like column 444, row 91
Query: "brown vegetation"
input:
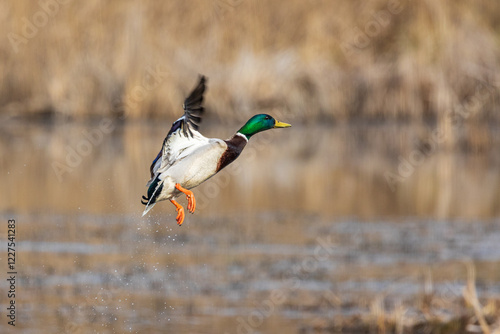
column 313, row 60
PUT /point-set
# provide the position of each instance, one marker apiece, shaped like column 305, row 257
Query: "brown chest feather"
column 234, row 147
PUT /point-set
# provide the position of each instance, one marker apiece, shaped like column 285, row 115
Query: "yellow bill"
column 279, row 124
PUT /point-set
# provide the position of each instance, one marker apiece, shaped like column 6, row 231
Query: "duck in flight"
column 188, row 159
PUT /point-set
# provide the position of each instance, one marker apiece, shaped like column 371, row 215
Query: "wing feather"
column 193, row 108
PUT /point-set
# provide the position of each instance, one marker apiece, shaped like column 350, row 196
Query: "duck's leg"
column 190, row 197
column 180, row 212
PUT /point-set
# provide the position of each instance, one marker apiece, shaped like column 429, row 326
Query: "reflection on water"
column 338, row 170
column 264, row 251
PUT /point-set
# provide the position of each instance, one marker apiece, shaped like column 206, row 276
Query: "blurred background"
column 376, row 212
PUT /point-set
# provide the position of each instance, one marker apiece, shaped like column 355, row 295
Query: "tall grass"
column 304, row 58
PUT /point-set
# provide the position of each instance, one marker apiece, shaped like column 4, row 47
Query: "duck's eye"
column 267, row 117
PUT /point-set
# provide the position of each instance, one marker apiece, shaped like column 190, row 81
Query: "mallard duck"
column 188, row 159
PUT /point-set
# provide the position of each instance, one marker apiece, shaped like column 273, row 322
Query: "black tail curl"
column 153, row 193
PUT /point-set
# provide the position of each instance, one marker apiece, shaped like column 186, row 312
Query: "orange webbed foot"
column 190, row 197
column 180, row 212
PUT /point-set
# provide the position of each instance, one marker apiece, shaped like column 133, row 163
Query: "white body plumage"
column 196, row 164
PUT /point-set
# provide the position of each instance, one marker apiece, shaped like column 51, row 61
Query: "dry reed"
column 315, row 60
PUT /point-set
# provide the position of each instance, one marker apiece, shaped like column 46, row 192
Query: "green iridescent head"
column 260, row 122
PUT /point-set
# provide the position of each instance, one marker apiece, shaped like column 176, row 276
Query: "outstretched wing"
column 183, row 136
column 193, row 109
